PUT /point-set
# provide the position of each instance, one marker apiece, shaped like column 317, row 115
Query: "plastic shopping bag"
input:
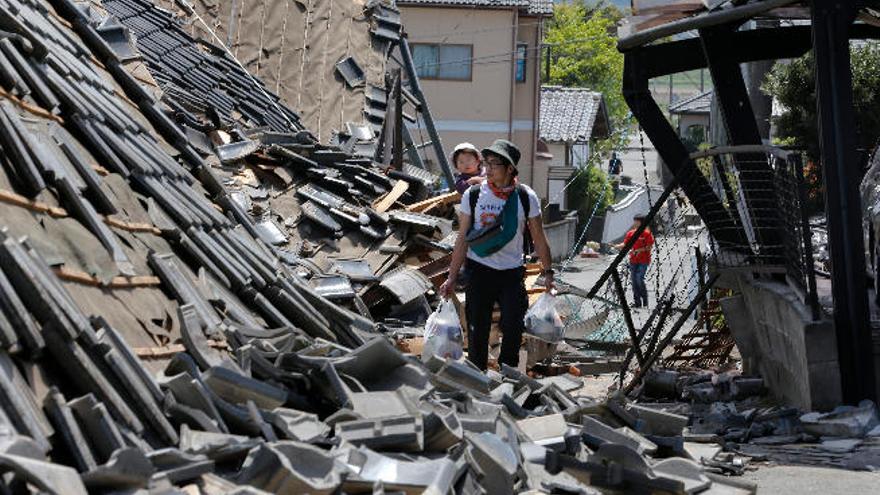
column 443, row 336
column 543, row 321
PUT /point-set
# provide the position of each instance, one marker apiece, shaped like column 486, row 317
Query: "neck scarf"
column 503, row 192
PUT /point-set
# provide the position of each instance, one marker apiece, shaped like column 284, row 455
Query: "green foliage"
column 583, row 37
column 583, row 40
column 792, row 84
column 590, row 186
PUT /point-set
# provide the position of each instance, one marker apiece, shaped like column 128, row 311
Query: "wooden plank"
column 24, row 202
column 383, row 204
column 430, row 203
column 115, row 283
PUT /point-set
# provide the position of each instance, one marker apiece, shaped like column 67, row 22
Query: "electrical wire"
column 507, row 53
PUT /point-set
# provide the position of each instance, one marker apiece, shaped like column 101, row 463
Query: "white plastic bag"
column 443, row 336
column 543, row 321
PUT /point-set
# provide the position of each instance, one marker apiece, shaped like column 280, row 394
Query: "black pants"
column 487, row 286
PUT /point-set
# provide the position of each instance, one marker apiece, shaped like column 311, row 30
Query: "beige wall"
column 479, row 110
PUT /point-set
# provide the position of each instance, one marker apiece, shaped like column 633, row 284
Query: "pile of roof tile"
column 161, row 329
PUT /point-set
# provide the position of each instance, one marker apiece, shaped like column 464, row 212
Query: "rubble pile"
column 733, row 413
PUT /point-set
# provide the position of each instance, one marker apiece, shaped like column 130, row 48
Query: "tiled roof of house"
column 694, row 105
column 531, row 6
column 572, row 114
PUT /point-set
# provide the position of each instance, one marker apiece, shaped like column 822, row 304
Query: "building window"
column 443, row 61
column 521, row 50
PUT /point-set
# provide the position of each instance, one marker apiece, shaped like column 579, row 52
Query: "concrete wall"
column 479, row 110
column 619, row 217
column 687, row 120
column 561, row 236
column 775, row 335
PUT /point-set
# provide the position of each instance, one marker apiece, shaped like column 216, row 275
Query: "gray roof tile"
column 697, row 104
column 572, row 114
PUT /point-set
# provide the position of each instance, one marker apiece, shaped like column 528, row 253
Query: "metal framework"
column 721, row 47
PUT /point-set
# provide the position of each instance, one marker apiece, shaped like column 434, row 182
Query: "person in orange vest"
column 639, row 259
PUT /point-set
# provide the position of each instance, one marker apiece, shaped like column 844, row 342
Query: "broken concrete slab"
column 841, row 445
column 844, row 421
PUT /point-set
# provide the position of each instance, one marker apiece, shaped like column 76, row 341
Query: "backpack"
column 528, row 245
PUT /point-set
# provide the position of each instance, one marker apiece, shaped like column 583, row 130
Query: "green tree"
column 591, row 186
column 583, row 53
column 582, row 38
column 792, row 85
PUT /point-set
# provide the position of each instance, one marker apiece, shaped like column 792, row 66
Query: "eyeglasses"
column 495, row 162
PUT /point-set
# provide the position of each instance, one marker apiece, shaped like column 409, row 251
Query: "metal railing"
column 762, row 188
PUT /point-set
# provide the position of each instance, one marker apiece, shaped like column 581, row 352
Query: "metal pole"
column 547, row 66
column 831, row 22
column 652, row 356
column 416, row 89
column 411, row 149
column 397, row 158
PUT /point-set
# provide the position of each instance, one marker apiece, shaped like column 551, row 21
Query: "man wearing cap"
column 639, row 259
column 496, row 218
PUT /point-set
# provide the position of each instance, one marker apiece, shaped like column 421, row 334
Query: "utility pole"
column 670, row 90
column 547, row 65
column 702, row 81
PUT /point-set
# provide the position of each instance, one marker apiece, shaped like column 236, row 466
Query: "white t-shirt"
column 489, row 208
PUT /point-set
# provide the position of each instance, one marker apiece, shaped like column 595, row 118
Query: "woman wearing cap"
column 468, row 161
column 639, row 259
column 498, row 210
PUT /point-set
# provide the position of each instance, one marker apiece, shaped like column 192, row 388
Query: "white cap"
column 465, row 147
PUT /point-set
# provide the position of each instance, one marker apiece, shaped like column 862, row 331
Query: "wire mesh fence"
column 743, row 211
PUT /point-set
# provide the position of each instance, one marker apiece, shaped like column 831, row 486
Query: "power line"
column 508, row 53
column 441, row 34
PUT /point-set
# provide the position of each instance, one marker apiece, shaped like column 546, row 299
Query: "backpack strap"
column 473, row 196
column 526, row 206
